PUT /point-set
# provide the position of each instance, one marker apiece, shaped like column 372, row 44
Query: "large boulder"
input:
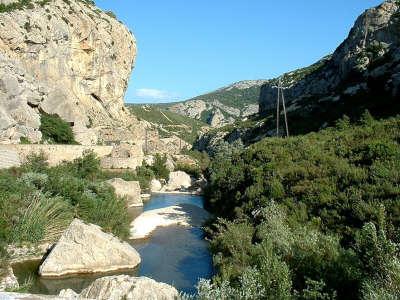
column 183, row 215
column 155, row 185
column 85, row 248
column 129, row 189
column 178, row 180
column 126, row 287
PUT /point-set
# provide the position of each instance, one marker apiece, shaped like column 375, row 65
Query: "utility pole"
column 281, row 95
column 277, row 108
column 145, row 142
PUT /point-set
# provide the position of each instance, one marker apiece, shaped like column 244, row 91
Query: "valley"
column 201, row 199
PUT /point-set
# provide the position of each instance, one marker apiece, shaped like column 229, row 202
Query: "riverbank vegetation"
column 309, row 217
column 38, row 201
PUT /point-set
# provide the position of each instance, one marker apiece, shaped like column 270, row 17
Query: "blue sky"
column 189, row 47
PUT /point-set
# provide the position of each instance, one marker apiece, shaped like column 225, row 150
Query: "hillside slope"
column 223, row 106
column 168, row 123
column 315, row 214
column 363, row 73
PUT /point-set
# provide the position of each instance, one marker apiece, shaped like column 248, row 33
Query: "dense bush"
column 144, row 174
column 56, row 130
column 192, row 170
column 202, row 158
column 311, row 217
column 38, row 202
column 159, row 167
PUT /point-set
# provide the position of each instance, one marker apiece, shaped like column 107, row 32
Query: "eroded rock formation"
column 66, row 58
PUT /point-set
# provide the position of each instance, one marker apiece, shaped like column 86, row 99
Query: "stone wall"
column 14, row 155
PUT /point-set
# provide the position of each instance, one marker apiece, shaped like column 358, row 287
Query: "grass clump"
column 55, row 130
column 309, row 217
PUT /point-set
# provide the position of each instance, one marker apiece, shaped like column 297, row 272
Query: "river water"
column 175, row 255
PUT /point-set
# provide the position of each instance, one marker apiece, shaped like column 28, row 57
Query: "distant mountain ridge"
column 362, row 74
column 223, row 106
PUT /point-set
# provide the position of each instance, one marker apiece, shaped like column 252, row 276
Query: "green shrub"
column 202, row 158
column 192, row 170
column 159, row 167
column 36, row 163
column 44, row 218
column 144, row 175
column 87, row 166
column 24, row 140
column 56, row 130
column 314, row 204
column 38, row 202
column 99, row 205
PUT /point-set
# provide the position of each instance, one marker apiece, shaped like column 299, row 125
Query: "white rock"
column 178, row 180
column 67, row 58
column 87, row 249
column 126, row 287
column 68, row 294
column 183, row 215
column 155, row 185
column 129, row 189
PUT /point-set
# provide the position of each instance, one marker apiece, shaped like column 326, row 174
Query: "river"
column 175, row 255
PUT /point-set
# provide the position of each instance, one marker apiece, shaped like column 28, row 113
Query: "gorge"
column 199, row 199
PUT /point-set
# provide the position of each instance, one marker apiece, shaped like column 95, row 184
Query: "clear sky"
column 189, row 47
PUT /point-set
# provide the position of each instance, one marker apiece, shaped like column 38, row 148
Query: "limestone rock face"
column 366, row 63
column 192, row 108
column 19, row 94
column 216, row 119
column 129, row 189
column 126, row 287
column 178, row 180
column 87, row 249
column 66, row 58
column 223, row 106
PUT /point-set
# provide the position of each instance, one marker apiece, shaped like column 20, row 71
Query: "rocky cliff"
column 363, row 73
column 65, row 58
column 223, row 106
